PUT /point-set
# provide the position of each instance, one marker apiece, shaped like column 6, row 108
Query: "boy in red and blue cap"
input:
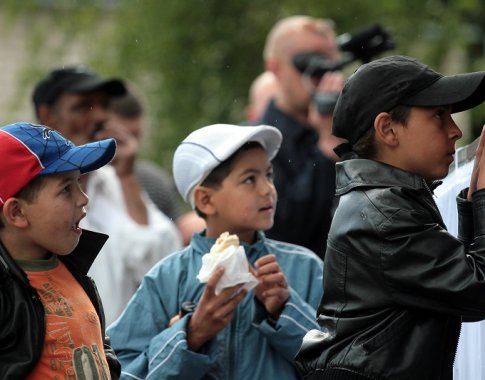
column 51, row 317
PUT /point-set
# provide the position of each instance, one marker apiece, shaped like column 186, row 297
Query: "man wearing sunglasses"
column 304, row 167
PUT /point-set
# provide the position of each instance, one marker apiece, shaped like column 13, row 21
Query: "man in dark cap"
column 74, row 100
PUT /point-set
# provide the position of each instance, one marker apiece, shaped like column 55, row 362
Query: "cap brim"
column 461, row 92
column 269, row 137
column 112, row 87
column 85, row 158
column 204, row 149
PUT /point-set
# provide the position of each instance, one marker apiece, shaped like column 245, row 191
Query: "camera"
column 360, row 46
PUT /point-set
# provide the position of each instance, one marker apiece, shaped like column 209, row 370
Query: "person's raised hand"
column 213, row 312
column 126, row 147
column 331, row 84
column 272, row 290
column 477, row 180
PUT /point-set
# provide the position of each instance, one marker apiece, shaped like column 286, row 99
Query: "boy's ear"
column 13, row 213
column 385, row 132
column 203, row 200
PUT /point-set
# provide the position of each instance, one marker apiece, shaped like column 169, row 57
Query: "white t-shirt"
column 132, row 249
column 469, row 363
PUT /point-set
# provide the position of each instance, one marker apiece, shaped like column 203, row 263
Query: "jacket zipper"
column 233, row 338
column 431, row 202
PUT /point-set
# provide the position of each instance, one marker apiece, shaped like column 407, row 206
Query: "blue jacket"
column 251, row 347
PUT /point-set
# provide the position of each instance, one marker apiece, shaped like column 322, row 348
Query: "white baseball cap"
column 206, row 148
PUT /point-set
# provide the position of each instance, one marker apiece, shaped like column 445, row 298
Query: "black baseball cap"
column 74, row 79
column 381, row 85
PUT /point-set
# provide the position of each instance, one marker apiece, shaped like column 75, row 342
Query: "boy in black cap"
column 51, row 319
column 397, row 285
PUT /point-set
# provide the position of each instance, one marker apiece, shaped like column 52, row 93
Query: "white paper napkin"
column 236, row 266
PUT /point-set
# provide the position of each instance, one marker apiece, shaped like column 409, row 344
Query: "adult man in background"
column 261, row 91
column 305, row 165
column 74, row 101
column 127, row 110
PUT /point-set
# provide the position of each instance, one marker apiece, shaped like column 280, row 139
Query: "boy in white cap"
column 397, row 284
column 225, row 172
column 51, row 318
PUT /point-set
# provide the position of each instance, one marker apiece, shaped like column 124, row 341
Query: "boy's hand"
column 272, row 290
column 477, row 180
column 213, row 312
column 174, row 320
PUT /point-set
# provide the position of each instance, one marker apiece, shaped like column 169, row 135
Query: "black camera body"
column 361, row 46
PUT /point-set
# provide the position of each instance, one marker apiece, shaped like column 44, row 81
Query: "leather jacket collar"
column 80, row 259
column 355, row 173
column 86, row 251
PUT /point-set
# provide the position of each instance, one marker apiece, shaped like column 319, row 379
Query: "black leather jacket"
column 22, row 326
column 396, row 284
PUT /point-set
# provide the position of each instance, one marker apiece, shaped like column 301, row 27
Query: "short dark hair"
column 219, row 173
column 127, row 106
column 29, row 192
column 365, row 147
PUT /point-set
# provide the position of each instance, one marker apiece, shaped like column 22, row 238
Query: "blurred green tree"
column 194, row 60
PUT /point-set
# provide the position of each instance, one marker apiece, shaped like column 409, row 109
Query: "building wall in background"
column 13, row 53
column 17, row 76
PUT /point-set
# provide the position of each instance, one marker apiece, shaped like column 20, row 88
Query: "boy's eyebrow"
column 253, row 170
column 248, row 170
column 65, row 181
column 67, row 178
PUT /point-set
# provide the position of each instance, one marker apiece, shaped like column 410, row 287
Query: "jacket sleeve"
column 298, row 317
column 146, row 347
column 286, row 334
column 466, row 232
column 426, row 267
column 113, row 362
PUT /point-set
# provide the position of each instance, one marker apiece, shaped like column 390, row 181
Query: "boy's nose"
column 268, row 188
column 456, row 132
column 83, row 198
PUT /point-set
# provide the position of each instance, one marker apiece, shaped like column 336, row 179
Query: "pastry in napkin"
column 227, row 252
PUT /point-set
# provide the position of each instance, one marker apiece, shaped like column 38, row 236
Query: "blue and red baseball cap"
column 29, row 150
